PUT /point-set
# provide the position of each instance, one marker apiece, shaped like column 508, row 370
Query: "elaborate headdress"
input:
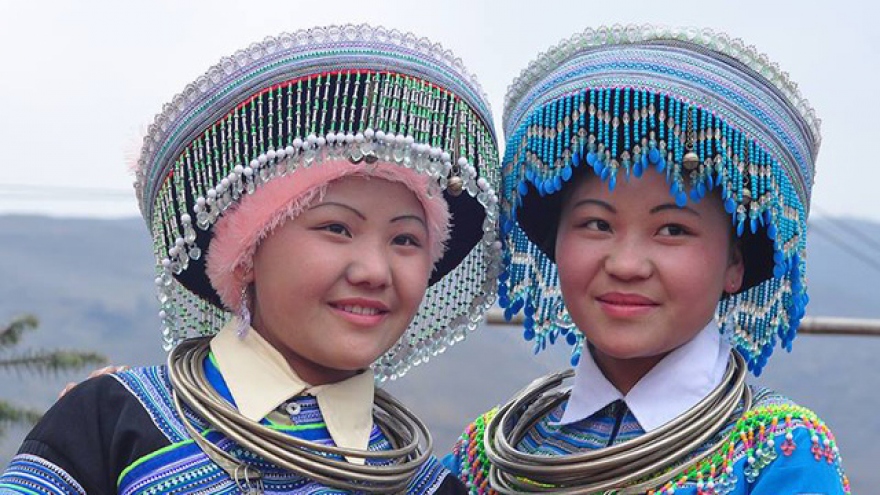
column 267, row 120
column 707, row 110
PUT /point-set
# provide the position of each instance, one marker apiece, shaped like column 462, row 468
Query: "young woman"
column 656, row 188
column 322, row 207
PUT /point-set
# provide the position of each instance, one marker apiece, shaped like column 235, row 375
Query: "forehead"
column 372, row 196
column 369, row 190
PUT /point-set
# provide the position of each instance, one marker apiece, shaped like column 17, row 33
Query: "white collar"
column 260, row 380
column 674, row 385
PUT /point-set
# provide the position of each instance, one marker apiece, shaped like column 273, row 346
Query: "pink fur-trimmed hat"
column 260, row 135
column 238, row 233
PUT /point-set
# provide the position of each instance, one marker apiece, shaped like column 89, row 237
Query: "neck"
column 307, row 370
column 624, row 373
column 314, row 374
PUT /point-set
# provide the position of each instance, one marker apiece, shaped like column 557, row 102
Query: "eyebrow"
column 596, row 202
column 656, row 209
column 363, row 217
column 410, row 217
column 675, row 207
column 341, row 205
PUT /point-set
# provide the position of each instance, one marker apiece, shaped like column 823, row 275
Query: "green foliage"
column 10, row 414
column 12, row 333
column 30, row 361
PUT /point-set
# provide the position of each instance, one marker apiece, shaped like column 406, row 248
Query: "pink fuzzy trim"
column 239, row 231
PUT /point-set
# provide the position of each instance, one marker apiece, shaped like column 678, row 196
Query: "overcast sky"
column 80, row 80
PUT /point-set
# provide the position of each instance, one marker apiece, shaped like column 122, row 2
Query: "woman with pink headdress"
column 322, row 206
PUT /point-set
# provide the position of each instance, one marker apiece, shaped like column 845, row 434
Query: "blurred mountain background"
column 90, row 284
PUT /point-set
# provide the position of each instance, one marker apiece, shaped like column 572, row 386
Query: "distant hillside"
column 90, row 282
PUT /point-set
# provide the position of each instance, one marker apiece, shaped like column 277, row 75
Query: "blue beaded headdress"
column 711, row 113
column 357, row 93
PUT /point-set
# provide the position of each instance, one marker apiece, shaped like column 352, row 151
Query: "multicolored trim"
column 753, row 440
column 693, row 106
column 152, row 388
column 354, row 93
column 34, row 475
column 470, row 456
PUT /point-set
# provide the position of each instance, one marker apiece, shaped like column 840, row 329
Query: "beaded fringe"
column 618, row 133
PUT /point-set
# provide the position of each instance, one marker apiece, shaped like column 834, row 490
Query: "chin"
column 625, row 351
column 354, row 363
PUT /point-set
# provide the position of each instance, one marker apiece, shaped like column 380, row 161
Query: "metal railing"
column 816, row 325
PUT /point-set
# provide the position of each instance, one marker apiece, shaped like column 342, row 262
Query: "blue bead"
column 522, row 188
column 529, row 334
column 557, row 182
column 701, row 190
column 778, row 257
column 637, row 168
column 612, row 183
column 740, row 226
column 575, row 359
column 654, row 155
column 591, row 158
column 566, row 173
column 575, row 159
column 529, row 311
column 552, row 337
column 606, row 172
column 661, row 164
column 681, row 199
column 757, row 369
column 517, row 305
column 729, row 205
column 503, row 301
column 571, row 338
column 753, row 225
column 778, row 271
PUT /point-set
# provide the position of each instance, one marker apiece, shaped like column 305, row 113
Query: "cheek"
column 696, row 273
column 576, row 257
column 411, row 274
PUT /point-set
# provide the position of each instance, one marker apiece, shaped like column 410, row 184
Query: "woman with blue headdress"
column 656, row 185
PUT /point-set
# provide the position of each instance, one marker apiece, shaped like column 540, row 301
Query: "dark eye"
column 595, row 224
column 336, row 228
column 673, row 230
column 407, row 240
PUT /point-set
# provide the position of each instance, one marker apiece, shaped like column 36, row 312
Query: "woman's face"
column 337, row 286
column 639, row 275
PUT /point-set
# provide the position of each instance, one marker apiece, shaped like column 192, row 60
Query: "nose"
column 369, row 266
column 628, row 260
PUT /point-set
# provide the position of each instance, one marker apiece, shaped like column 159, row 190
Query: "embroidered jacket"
column 121, row 434
column 776, row 448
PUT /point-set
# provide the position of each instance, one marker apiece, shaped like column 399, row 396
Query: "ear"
column 736, row 268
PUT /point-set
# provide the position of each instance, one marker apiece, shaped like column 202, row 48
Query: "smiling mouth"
column 360, row 310
column 626, row 300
